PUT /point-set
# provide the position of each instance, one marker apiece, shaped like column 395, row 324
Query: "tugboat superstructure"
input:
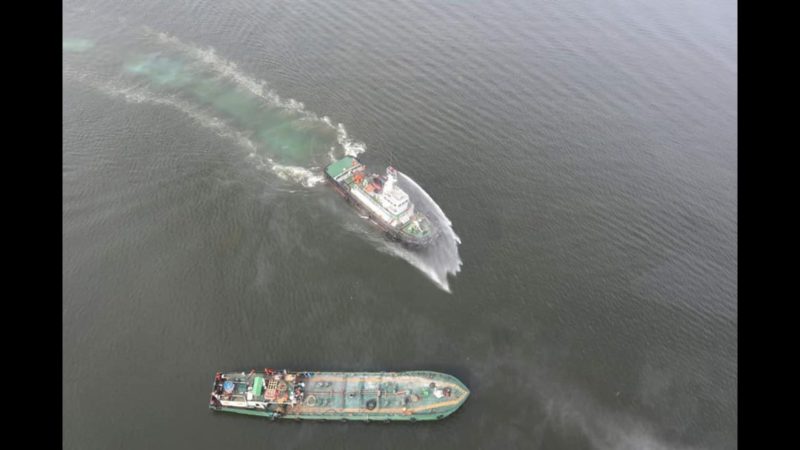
column 381, row 200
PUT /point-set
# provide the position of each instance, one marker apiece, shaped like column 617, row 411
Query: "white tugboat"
column 381, row 200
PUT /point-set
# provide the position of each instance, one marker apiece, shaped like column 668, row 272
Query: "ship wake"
column 280, row 135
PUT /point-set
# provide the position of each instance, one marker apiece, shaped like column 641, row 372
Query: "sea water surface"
column 580, row 157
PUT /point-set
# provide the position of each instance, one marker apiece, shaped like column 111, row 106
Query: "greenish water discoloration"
column 76, row 44
column 291, row 136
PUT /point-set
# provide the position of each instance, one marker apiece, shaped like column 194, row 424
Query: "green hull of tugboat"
column 339, row 396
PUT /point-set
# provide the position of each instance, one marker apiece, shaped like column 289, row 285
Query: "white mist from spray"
column 438, row 260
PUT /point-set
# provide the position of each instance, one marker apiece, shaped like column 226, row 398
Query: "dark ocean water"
column 581, row 156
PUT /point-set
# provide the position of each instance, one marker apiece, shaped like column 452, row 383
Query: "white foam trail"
column 306, row 177
column 440, row 259
column 351, row 147
column 135, row 94
column 230, row 70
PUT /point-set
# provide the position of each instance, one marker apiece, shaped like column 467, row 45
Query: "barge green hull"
column 340, row 396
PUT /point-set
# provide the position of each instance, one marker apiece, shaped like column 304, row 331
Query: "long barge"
column 339, row 396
